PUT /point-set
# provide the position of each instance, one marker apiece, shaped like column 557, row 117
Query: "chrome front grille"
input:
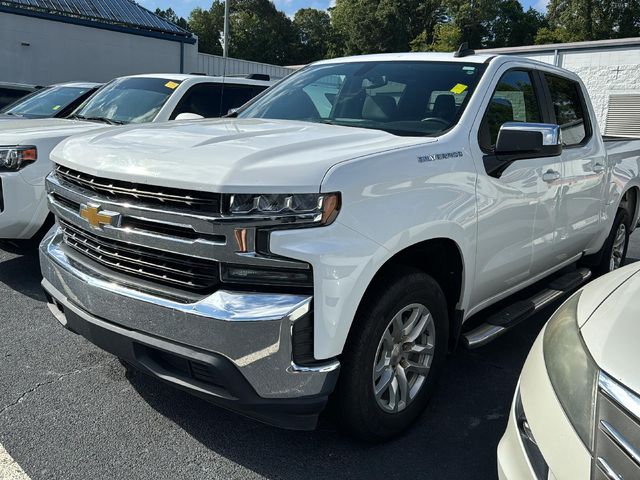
column 617, row 439
column 177, row 271
column 202, row 202
column 159, row 239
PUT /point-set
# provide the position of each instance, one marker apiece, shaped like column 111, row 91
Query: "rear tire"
column 614, row 251
column 396, row 348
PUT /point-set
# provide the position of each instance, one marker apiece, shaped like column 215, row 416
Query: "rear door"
column 584, row 169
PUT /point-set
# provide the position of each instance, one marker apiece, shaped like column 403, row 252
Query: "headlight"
column 321, row 209
column 573, row 373
column 14, row 158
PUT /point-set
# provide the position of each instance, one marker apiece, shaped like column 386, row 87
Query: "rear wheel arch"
column 629, row 203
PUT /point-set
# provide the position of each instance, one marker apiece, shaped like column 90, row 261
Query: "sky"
column 184, row 7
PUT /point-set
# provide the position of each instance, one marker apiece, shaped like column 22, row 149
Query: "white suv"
column 25, row 146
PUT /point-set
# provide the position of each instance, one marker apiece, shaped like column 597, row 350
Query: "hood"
column 7, row 118
column 612, row 332
column 225, row 155
column 17, row 132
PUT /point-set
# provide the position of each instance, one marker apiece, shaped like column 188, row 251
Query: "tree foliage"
column 260, row 32
column 171, row 16
column 313, row 30
column 579, row 20
column 208, row 25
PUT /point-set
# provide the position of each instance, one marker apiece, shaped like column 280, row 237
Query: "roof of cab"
column 474, row 58
column 181, row 77
column 78, row 84
column 412, row 56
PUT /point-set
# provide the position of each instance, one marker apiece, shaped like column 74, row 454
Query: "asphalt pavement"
column 70, row 411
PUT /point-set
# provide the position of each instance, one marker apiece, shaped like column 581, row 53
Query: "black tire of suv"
column 602, row 266
column 355, row 403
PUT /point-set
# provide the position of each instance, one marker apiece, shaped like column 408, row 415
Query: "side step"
column 509, row 317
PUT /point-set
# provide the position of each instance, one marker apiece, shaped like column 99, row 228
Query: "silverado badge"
column 97, row 218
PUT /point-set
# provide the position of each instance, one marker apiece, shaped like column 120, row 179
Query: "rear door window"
column 514, row 100
column 568, row 106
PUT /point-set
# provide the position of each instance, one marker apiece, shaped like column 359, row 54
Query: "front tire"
column 393, row 356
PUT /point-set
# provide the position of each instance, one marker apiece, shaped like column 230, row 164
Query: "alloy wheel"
column 404, row 358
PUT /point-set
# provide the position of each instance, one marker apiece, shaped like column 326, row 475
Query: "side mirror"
column 517, row 140
column 189, row 116
column 232, row 112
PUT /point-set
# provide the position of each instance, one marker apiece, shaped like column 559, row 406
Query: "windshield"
column 46, row 102
column 403, row 98
column 128, row 100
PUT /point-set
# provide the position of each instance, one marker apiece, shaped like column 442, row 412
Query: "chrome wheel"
column 404, row 358
column 617, row 251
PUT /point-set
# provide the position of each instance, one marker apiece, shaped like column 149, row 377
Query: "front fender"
column 344, row 264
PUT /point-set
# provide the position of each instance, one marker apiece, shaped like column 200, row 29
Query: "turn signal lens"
column 265, row 276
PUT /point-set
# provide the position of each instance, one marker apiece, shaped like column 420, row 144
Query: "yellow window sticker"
column 171, row 85
column 459, row 88
column 57, row 107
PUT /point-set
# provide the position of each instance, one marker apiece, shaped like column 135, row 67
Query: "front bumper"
column 557, row 442
column 23, row 207
column 232, row 348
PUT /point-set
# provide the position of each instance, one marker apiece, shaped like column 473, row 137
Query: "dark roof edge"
column 174, row 37
column 551, row 47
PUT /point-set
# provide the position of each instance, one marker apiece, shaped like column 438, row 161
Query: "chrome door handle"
column 551, row 176
column 598, row 168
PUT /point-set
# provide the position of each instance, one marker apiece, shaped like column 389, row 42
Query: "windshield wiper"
column 106, row 120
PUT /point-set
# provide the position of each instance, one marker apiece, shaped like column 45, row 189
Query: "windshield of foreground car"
column 127, row 100
column 45, row 103
column 409, row 98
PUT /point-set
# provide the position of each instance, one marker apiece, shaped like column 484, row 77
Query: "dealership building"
column 49, row 41
column 610, row 70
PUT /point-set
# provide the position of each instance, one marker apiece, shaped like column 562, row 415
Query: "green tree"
column 368, row 26
column 512, row 26
column 313, row 29
column 447, row 37
column 261, row 33
column 208, row 25
column 579, row 20
column 483, row 24
column 171, row 16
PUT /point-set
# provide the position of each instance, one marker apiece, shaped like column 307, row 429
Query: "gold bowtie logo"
column 98, row 218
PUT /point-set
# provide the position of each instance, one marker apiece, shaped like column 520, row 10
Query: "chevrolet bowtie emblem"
column 97, row 218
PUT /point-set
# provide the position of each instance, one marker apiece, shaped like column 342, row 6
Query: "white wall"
column 60, row 52
column 215, row 65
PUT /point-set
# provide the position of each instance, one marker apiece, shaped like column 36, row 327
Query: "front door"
column 515, row 215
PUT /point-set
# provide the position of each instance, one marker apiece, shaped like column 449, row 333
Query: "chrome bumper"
column 250, row 330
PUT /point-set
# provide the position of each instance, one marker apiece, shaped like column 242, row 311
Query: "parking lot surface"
column 69, row 411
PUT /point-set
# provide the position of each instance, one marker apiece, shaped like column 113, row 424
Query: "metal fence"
column 215, row 65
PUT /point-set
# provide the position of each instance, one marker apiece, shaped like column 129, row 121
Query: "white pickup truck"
column 25, row 146
column 341, row 234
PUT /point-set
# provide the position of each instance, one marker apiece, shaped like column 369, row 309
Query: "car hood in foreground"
column 225, row 155
column 21, row 132
column 612, row 332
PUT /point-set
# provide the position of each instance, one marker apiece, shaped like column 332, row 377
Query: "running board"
column 509, row 317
